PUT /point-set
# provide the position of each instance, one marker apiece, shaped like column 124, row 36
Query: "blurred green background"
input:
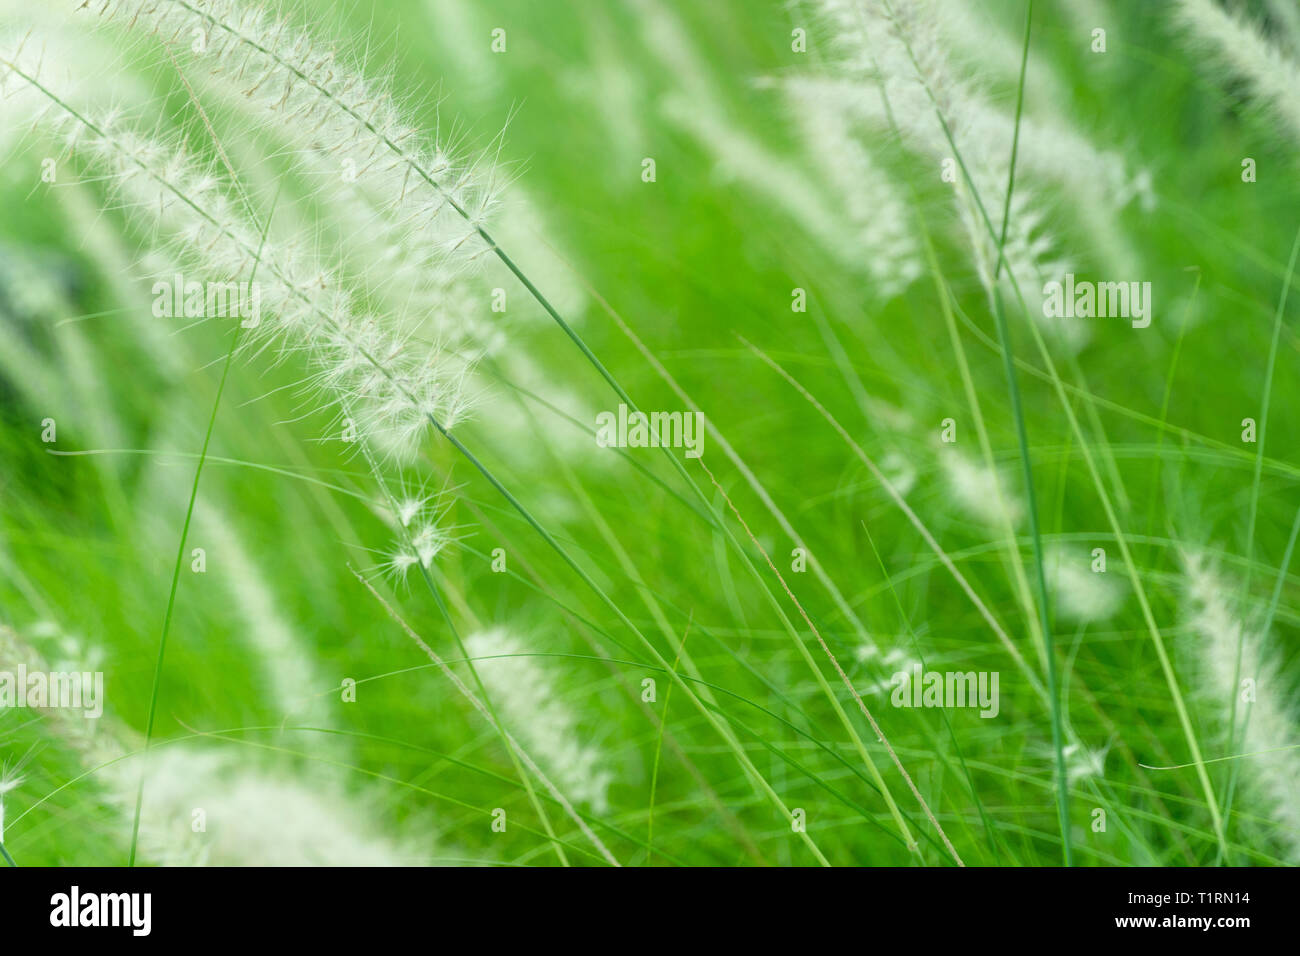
column 699, row 264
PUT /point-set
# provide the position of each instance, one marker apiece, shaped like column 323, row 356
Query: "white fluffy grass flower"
column 884, row 241
column 10, row 779
column 526, row 697
column 395, row 388
column 893, row 68
column 252, row 817
column 897, row 46
column 353, row 119
column 977, row 490
column 1083, row 762
column 1078, row 593
column 1247, row 51
column 418, row 518
column 404, row 209
column 857, row 213
column 1266, row 726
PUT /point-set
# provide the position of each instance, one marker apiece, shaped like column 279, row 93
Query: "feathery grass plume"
column 354, row 119
column 976, row 489
column 10, row 780
column 256, row 818
column 1082, row 762
column 873, row 203
column 394, row 388
column 394, row 243
column 526, row 695
column 1054, row 151
column 1051, row 148
column 1285, row 13
column 405, row 218
column 1267, row 731
column 418, row 520
column 451, row 311
column 251, row 816
column 977, row 37
column 1078, row 593
column 1096, row 183
column 872, row 39
column 697, row 108
column 78, row 60
column 420, row 291
column 1244, row 49
column 419, row 288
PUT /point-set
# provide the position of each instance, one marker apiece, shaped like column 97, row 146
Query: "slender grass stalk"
column 981, row 431
column 893, row 808
column 189, row 514
column 990, row 827
column 1226, row 451
column 591, row 630
column 946, row 303
column 1265, row 404
column 659, row 744
column 176, row 573
column 1158, row 467
column 1022, row 438
column 171, row 596
column 1043, row 628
